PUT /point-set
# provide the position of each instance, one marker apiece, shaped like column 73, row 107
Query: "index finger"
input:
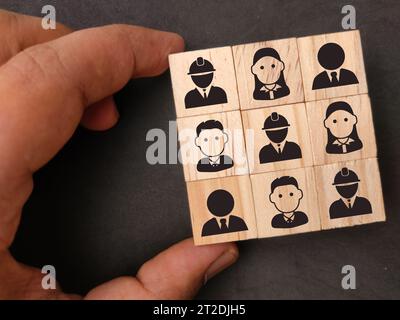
column 46, row 88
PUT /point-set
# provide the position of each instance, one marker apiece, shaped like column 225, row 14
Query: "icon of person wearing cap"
column 346, row 183
column 286, row 196
column 340, row 122
column 269, row 80
column 205, row 94
column 331, row 57
column 221, row 203
column 211, row 140
column 276, row 128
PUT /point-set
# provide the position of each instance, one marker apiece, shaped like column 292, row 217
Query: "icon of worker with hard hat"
column 346, row 182
column 276, row 128
column 205, row 94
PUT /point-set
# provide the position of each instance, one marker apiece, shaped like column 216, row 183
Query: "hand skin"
column 50, row 82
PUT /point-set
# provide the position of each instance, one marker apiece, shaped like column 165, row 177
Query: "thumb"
column 176, row 273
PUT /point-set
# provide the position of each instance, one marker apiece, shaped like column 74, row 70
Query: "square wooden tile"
column 341, row 129
column 222, row 210
column 212, row 146
column 268, row 73
column 285, row 202
column 332, row 65
column 277, row 138
column 350, row 193
column 203, row 81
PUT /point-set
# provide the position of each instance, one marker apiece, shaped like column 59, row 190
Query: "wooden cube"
column 212, row 146
column 332, row 65
column 268, row 73
column 203, row 81
column 222, row 210
column 277, row 138
column 286, row 202
column 349, row 193
column 341, row 129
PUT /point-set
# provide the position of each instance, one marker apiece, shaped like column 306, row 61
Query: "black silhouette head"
column 343, row 122
column 276, row 127
column 346, row 183
column 202, row 72
column 220, row 203
column 331, row 56
column 266, row 74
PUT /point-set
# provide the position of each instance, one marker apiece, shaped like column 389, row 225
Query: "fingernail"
column 224, row 261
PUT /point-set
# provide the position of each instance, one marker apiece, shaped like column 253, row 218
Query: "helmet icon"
column 201, row 65
column 345, row 176
column 275, row 121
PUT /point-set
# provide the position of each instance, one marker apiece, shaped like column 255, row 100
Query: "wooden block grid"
column 333, row 129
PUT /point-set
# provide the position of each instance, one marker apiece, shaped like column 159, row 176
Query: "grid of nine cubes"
column 259, row 94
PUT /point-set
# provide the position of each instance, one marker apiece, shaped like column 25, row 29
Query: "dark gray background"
column 99, row 210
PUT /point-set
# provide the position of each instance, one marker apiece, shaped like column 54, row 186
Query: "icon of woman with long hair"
column 269, row 80
column 340, row 122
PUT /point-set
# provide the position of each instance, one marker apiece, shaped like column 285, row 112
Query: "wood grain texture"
column 308, row 50
column 234, row 147
column 243, row 57
column 361, row 107
column 224, row 77
column 240, row 188
column 256, row 138
column 369, row 187
column 267, row 210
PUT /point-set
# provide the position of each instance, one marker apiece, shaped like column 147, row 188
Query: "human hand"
column 50, row 82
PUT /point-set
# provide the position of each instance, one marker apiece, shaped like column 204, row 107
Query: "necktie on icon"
column 335, row 79
column 205, row 93
column 224, row 227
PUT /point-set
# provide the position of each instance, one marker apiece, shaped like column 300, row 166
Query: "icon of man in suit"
column 276, row 128
column 221, row 203
column 331, row 57
column 205, row 94
column 211, row 140
column 286, row 196
column 346, row 183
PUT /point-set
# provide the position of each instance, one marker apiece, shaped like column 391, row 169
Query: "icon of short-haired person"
column 340, row 122
column 205, row 94
column 346, row 183
column 221, row 203
column 331, row 57
column 276, row 128
column 211, row 140
column 286, row 196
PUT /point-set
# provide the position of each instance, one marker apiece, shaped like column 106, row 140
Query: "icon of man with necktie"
column 211, row 140
column 346, row 183
column 221, row 203
column 286, row 196
column 331, row 57
column 205, row 94
column 276, row 128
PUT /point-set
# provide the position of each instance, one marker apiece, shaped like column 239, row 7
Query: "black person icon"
column 286, row 196
column 340, row 122
column 205, row 94
column 269, row 80
column 331, row 57
column 211, row 140
column 221, row 203
column 276, row 128
column 346, row 183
